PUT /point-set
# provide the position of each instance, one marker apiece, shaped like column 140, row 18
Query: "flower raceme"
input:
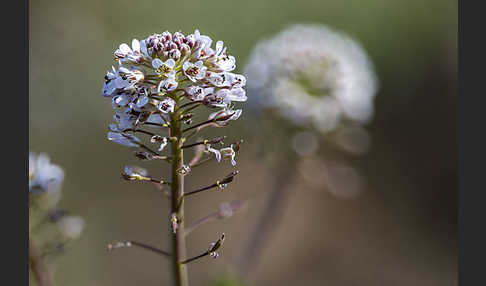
column 157, row 71
column 159, row 83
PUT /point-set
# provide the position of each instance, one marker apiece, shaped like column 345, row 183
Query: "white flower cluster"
column 312, row 74
column 154, row 72
column 45, row 180
column 44, row 177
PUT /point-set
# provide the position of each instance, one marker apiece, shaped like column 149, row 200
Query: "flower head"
column 156, row 71
column 313, row 75
column 44, row 176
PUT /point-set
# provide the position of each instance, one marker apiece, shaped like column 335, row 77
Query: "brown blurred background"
column 401, row 230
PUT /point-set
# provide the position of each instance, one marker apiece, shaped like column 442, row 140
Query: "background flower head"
column 313, row 75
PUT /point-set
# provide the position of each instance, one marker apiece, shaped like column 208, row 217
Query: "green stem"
column 177, row 206
column 39, row 269
column 270, row 219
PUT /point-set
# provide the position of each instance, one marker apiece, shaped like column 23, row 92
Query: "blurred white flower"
column 43, row 175
column 313, row 75
column 225, row 210
column 338, row 178
column 71, row 226
column 305, row 143
column 353, row 139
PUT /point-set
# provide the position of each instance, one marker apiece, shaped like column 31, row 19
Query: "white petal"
column 157, row 63
column 237, row 94
column 170, row 63
column 122, row 100
column 163, row 144
column 219, row 47
column 143, row 48
column 237, row 114
column 135, row 45
column 125, row 49
column 238, row 80
column 142, row 101
column 124, row 69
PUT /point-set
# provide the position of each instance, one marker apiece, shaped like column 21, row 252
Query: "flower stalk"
column 177, row 204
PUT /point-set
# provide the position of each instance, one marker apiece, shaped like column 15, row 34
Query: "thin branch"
column 130, row 243
column 221, row 184
column 145, row 156
column 138, row 177
column 192, row 134
column 162, row 182
column 190, row 108
column 202, row 161
column 207, row 122
column 198, row 125
column 204, row 142
column 198, row 153
column 163, row 118
column 149, row 150
column 226, row 210
column 160, row 187
column 194, row 258
column 141, row 131
column 155, row 124
column 201, row 190
column 213, row 247
column 190, row 103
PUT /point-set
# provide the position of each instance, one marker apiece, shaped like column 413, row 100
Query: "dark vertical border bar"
column 23, row 206
column 472, row 144
column 14, row 114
